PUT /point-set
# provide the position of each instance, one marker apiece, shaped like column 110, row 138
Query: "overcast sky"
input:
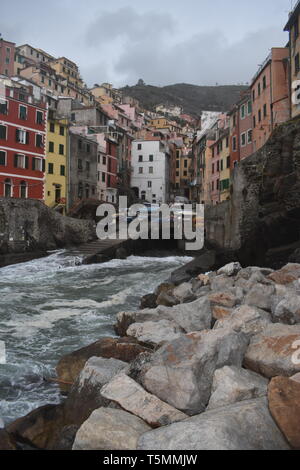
column 163, row 42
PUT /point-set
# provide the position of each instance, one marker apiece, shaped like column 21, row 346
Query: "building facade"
column 7, row 57
column 23, row 124
column 150, row 177
column 270, row 96
column 293, row 27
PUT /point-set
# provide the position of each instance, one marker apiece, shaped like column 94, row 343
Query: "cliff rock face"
column 261, row 222
column 28, row 226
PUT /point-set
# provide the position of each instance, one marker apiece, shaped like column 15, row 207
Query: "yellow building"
column 106, row 94
column 163, row 123
column 69, row 70
column 183, row 172
column 57, row 163
column 293, row 27
column 224, row 157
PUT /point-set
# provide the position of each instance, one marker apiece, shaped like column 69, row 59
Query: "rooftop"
column 293, row 16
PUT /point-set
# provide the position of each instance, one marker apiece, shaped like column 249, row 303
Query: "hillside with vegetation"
column 192, row 98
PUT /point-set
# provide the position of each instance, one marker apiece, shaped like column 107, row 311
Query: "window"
column 297, row 63
column 218, row 184
column 80, row 144
column 61, row 130
column 264, row 82
column 213, row 168
column 213, row 186
column 149, row 184
column 61, row 149
column 253, row 95
column 222, row 166
column 62, row 170
column 249, row 107
column 249, row 136
column 243, row 111
column 224, row 184
column 185, row 163
column 39, row 117
column 140, row 158
column 103, row 178
column 3, row 107
column 227, row 142
column 218, row 165
column 23, row 190
column 140, row 170
column 22, row 137
column 3, row 132
column 139, row 147
column 228, row 162
column 37, row 164
column 104, row 160
column 2, row 158
column 259, row 89
column 87, row 166
column 151, row 170
column 234, row 144
column 177, row 164
column 79, row 164
column 73, row 116
column 243, row 139
column 51, row 147
column 88, row 148
column 39, row 140
column 259, row 116
column 151, row 158
column 80, row 190
column 254, row 121
column 7, row 188
column 50, row 168
column 23, row 113
column 265, row 110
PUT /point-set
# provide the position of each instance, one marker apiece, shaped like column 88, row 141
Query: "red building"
column 22, row 142
column 7, row 57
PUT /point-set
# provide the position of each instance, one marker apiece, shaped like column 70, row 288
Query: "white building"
column 151, row 170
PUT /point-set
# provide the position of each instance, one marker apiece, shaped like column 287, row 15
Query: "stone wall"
column 261, row 222
column 28, row 226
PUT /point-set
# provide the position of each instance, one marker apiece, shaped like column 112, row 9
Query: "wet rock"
column 284, row 405
column 221, row 283
column 286, row 275
column 133, row 398
column 181, row 372
column 260, row 296
column 148, row 301
column 167, row 299
column 271, row 352
column 230, row 269
column 246, row 319
column 287, row 311
column 84, row 396
column 124, row 349
column 109, row 429
column 246, row 425
column 155, row 333
column 66, row 438
column 184, row 293
column 121, row 253
column 7, row 442
column 41, row 428
column 233, row 384
column 200, row 265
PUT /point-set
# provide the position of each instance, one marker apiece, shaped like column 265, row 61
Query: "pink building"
column 245, row 126
column 270, row 95
column 7, row 57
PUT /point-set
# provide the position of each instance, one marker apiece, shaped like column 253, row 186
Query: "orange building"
column 270, row 95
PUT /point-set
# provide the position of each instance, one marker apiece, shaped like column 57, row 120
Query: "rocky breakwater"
column 28, row 229
column 219, row 369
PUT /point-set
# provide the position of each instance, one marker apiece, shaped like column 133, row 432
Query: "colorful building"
column 270, row 95
column 241, row 131
column 23, row 124
column 293, row 26
column 7, row 57
column 57, row 162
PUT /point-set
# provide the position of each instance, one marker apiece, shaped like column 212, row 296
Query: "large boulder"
column 41, row 428
column 195, row 316
column 221, row 283
column 247, row 425
column 155, row 333
column 233, row 384
column 133, row 398
column 249, row 320
column 286, row 275
column 110, row 429
column 287, row 310
column 284, row 404
column 260, row 296
column 202, row 264
column 84, row 396
column 230, row 269
column 271, row 352
column 7, row 442
column 181, row 372
column 184, row 293
column 70, row 365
